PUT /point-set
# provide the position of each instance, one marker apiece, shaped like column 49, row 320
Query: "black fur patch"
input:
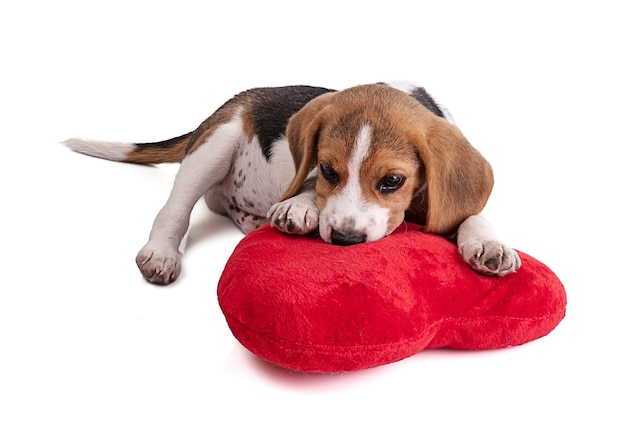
column 161, row 144
column 420, row 94
column 273, row 106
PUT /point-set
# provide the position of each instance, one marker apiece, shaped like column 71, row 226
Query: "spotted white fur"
column 253, row 183
column 243, row 179
column 160, row 258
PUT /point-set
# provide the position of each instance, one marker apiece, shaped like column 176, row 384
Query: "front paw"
column 490, row 257
column 160, row 265
column 296, row 215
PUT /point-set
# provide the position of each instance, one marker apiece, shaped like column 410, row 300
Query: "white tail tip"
column 115, row 151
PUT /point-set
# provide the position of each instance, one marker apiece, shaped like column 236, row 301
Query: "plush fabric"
column 309, row 306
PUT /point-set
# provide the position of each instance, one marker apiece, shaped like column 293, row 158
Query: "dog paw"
column 159, row 265
column 490, row 257
column 296, row 215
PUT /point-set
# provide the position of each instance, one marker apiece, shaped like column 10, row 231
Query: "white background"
column 90, row 351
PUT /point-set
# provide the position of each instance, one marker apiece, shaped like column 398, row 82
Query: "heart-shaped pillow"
column 308, row 306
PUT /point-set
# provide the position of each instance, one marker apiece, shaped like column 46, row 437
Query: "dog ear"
column 459, row 179
column 302, row 134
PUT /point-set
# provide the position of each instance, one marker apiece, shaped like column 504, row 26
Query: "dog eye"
column 390, row 183
column 329, row 174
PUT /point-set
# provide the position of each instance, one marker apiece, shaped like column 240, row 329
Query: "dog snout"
column 349, row 237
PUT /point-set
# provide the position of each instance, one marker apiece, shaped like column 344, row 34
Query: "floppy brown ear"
column 302, row 134
column 458, row 178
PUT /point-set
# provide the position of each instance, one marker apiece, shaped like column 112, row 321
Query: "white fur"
column 297, row 215
column 403, row 86
column 159, row 260
column 253, row 183
column 115, row 151
column 479, row 245
column 349, row 210
column 282, row 162
column 408, row 87
column 236, row 179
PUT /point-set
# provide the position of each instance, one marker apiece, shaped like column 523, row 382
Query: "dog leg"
column 482, row 250
column 297, row 215
column 160, row 259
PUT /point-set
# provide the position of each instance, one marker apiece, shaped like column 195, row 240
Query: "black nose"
column 346, row 237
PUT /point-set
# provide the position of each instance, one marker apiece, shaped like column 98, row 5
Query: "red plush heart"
column 309, row 306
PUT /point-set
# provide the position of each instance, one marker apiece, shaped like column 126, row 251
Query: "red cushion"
column 309, row 306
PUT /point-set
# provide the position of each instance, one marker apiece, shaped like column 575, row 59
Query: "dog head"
column 380, row 154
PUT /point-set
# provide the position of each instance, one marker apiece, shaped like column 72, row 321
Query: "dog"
column 350, row 165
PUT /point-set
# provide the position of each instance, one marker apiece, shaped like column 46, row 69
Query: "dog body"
column 351, row 164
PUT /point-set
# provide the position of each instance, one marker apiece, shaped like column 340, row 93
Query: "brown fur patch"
column 172, row 150
column 385, row 162
column 248, row 125
column 405, row 134
column 176, row 149
column 221, row 116
column 390, row 155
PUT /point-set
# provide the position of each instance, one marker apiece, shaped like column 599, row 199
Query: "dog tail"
column 172, row 150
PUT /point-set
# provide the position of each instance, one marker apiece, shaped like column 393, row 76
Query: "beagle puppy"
column 351, row 165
